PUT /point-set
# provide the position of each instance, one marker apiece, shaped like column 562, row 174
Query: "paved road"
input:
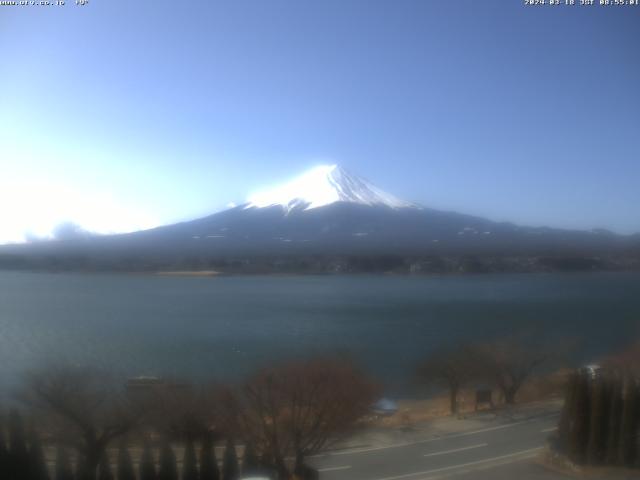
column 493, row 452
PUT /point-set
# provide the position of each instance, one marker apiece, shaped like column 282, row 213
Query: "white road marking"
column 444, row 452
column 522, row 454
column 333, row 469
column 479, row 468
column 435, row 439
column 547, row 430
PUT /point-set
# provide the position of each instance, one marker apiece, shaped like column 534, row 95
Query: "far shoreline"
column 281, row 274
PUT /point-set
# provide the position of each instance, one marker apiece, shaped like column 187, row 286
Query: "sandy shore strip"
column 189, row 273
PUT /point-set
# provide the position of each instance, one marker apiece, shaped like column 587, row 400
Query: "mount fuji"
column 323, row 186
column 329, row 219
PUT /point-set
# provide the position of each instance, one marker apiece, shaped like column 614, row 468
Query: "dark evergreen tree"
column 305, row 472
column 18, row 454
column 579, row 423
column 63, row 465
column 250, row 461
column 147, row 464
column 125, row 465
column 614, row 419
column 208, row 462
column 168, row 468
column 628, row 449
column 37, row 463
column 565, row 423
column 82, row 471
column 189, row 462
column 230, row 462
column 267, row 467
column 4, row 454
column 598, row 422
column 104, row 468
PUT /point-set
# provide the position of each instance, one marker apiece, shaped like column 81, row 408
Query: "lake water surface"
column 223, row 327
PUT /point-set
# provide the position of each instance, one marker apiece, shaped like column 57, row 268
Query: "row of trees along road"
column 23, row 459
column 280, row 413
column 506, row 364
column 600, row 422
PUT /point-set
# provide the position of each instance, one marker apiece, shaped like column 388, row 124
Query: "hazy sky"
column 120, row 115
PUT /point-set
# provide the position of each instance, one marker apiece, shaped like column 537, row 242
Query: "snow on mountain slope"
column 322, row 186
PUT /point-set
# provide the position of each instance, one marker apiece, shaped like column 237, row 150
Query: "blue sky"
column 120, row 115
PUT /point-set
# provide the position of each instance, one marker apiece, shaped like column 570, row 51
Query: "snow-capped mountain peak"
column 322, row 186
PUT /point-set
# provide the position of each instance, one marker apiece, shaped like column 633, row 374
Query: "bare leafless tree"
column 298, row 409
column 510, row 362
column 83, row 408
column 187, row 411
column 451, row 368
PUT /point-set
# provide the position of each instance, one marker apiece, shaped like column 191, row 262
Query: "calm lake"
column 225, row 327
